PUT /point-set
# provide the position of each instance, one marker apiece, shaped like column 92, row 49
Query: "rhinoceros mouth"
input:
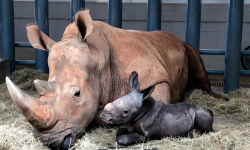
column 105, row 121
column 56, row 136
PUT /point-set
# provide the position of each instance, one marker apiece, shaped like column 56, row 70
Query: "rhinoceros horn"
column 38, row 113
column 44, row 87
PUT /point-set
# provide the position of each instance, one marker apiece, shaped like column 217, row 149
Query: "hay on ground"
column 16, row 132
column 236, row 108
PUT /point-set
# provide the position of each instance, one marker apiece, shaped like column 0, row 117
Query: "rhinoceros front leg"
column 125, row 138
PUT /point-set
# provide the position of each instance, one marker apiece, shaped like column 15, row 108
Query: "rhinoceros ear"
column 147, row 92
column 134, row 81
column 84, row 23
column 38, row 39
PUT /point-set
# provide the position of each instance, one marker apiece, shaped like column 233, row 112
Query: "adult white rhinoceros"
column 90, row 67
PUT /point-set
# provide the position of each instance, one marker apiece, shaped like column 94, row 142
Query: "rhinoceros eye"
column 75, row 91
column 125, row 112
column 77, row 94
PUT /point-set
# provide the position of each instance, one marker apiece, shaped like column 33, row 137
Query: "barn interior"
column 232, row 118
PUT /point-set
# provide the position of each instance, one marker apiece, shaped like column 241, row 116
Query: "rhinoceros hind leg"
column 162, row 93
column 203, row 122
column 197, row 69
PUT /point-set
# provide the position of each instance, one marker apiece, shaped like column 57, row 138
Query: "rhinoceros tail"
column 198, row 72
column 211, row 114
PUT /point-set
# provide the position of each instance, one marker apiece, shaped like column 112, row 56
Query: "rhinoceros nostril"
column 102, row 115
column 68, row 142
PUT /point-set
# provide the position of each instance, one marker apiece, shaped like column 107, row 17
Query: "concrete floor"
column 227, row 121
column 220, row 78
column 19, row 67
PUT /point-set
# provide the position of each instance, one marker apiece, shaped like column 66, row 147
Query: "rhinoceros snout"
column 68, row 142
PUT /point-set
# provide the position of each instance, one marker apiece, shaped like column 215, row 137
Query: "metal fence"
column 232, row 52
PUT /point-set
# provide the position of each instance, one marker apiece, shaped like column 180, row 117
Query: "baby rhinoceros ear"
column 134, row 82
column 147, row 92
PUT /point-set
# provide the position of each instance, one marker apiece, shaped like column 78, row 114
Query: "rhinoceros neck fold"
column 147, row 105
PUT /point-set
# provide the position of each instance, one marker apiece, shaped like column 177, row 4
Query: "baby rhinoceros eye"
column 125, row 112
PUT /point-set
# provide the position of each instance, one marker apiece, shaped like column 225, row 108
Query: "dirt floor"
column 232, row 123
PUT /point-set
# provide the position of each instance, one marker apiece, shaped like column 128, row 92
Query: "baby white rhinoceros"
column 153, row 119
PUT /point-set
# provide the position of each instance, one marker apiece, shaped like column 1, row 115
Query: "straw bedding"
column 16, row 132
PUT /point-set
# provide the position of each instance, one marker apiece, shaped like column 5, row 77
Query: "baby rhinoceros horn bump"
column 108, row 107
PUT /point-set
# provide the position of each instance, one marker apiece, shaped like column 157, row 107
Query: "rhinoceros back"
column 156, row 56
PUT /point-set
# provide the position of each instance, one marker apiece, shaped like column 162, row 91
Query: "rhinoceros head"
column 69, row 99
column 124, row 109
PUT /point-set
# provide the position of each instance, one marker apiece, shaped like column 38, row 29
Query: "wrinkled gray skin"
column 151, row 118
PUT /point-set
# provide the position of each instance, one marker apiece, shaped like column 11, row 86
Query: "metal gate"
column 232, row 53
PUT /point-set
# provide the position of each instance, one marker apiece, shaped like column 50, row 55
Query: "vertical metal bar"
column 42, row 21
column 192, row 31
column 8, row 37
column 75, row 6
column 154, row 15
column 233, row 45
column 115, row 13
column 0, row 22
column 193, row 19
